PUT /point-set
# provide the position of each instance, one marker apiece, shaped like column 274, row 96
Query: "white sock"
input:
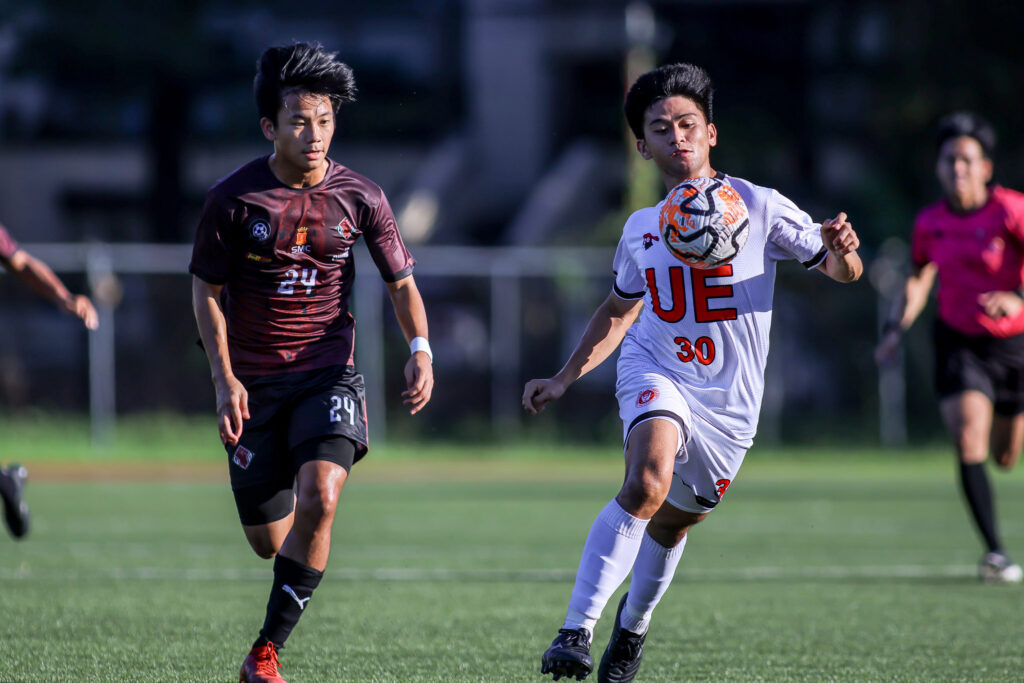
column 652, row 573
column 608, row 556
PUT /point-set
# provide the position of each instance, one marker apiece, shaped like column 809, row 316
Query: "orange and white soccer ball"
column 704, row 222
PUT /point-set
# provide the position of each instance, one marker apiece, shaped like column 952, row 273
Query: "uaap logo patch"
column 242, row 457
column 259, row 230
column 646, row 396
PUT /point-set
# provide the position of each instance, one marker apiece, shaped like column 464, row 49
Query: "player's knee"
column 970, row 449
column 645, row 491
column 317, row 504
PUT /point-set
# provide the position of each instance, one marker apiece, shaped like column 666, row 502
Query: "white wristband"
column 421, row 344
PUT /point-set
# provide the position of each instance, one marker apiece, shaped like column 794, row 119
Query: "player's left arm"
column 841, row 263
column 38, row 277
column 412, row 318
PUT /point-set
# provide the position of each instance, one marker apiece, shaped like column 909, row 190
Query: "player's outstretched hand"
column 232, row 408
column 1001, row 304
column 419, row 380
column 838, row 235
column 539, row 392
column 80, row 307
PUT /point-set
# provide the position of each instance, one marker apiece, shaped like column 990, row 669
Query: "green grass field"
column 840, row 565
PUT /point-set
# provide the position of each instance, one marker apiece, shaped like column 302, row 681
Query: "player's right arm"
column 906, row 308
column 232, row 398
column 41, row 279
column 604, row 333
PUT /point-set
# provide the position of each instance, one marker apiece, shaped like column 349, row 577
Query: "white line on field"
column 491, row 575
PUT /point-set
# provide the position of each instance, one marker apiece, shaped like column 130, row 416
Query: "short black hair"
column 961, row 123
column 683, row 79
column 300, row 66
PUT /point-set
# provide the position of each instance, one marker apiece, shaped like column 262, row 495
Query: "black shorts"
column 289, row 409
column 992, row 365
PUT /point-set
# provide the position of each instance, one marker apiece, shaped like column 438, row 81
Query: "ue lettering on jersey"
column 977, row 252
column 284, row 257
column 708, row 329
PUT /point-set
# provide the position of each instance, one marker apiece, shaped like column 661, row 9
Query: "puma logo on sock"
column 302, row 601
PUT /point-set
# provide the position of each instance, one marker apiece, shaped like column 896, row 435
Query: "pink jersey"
column 7, row 245
column 977, row 252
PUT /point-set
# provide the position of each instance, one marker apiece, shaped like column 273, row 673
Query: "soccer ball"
column 704, row 222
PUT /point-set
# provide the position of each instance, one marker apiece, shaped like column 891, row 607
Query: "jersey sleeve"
column 380, row 230
column 7, row 244
column 792, row 234
column 629, row 282
column 209, row 252
column 1014, row 203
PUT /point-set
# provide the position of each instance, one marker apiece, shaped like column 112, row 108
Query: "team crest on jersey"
column 301, row 235
column 346, row 229
column 242, row 457
column 646, row 396
column 992, row 255
column 649, row 240
column 259, row 230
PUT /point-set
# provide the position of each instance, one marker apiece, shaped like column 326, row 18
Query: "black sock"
column 294, row 584
column 978, row 493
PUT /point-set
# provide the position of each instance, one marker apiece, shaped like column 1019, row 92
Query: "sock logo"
column 302, row 601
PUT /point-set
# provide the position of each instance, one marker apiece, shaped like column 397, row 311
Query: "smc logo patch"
column 259, row 230
column 646, row 396
column 301, row 241
column 242, row 457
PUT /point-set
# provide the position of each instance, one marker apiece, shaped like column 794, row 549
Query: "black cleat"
column 569, row 655
column 12, row 480
column 621, row 658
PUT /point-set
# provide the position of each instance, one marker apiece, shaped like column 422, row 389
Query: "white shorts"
column 707, row 460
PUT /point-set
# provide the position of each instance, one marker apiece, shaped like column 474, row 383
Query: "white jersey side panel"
column 708, row 329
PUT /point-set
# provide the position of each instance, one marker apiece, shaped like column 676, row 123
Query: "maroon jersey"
column 7, row 245
column 284, row 257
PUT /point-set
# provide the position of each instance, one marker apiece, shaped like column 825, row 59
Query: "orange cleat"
column 261, row 666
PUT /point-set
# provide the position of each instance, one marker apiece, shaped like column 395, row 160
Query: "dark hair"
column 304, row 67
column 687, row 80
column 967, row 123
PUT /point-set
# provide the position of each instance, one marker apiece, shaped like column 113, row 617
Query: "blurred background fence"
column 499, row 315
column 495, row 128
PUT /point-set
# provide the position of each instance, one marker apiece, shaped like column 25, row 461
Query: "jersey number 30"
column 701, row 349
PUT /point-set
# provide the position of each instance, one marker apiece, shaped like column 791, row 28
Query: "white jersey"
column 707, row 330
